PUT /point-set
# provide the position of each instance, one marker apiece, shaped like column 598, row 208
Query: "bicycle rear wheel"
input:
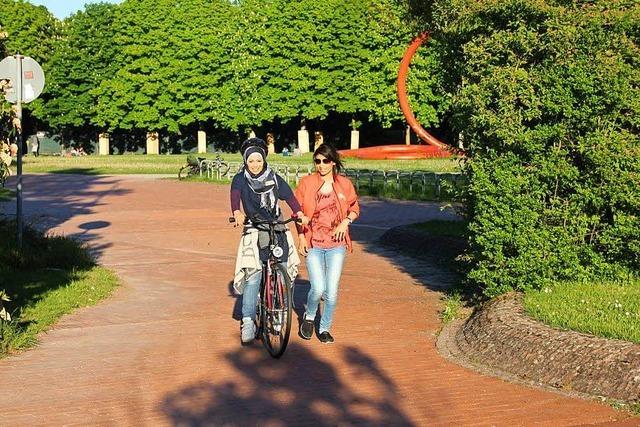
column 275, row 313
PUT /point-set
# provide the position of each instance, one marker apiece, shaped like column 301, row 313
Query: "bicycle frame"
column 276, row 296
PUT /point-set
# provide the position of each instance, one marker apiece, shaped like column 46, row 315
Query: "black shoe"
column 306, row 329
column 326, row 338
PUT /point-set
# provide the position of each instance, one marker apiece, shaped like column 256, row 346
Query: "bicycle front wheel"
column 223, row 169
column 276, row 301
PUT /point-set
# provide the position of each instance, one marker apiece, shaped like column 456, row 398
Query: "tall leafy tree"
column 169, row 59
column 306, row 59
column 82, row 59
column 31, row 30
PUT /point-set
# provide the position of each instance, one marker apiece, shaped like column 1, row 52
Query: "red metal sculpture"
column 434, row 147
column 402, row 94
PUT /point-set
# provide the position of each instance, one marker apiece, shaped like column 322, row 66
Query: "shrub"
column 548, row 100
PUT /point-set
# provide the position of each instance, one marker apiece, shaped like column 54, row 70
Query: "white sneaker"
column 248, row 331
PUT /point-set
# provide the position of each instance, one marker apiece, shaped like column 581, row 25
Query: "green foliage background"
column 174, row 67
column 547, row 98
column 544, row 94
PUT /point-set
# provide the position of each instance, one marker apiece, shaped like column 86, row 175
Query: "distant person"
column 35, row 145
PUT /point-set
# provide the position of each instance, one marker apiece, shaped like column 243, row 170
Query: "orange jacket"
column 346, row 195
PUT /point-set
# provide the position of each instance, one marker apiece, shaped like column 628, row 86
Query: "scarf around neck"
column 264, row 185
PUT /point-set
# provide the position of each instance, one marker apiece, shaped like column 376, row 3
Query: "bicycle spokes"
column 276, row 312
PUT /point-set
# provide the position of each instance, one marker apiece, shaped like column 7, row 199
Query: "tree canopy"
column 165, row 65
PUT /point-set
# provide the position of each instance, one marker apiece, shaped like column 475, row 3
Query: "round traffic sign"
column 32, row 78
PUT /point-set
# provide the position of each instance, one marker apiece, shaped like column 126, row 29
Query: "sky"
column 63, row 8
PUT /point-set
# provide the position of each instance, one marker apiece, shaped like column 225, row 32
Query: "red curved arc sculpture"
column 433, row 148
column 402, row 94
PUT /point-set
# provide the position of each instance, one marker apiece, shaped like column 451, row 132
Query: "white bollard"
column 153, row 143
column 355, row 139
column 103, row 144
column 202, row 142
column 271, row 143
column 303, row 141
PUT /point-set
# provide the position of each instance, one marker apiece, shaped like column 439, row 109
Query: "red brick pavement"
column 164, row 350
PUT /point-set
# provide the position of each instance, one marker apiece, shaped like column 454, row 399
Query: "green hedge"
column 547, row 98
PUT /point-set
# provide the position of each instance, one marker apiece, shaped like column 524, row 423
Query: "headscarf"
column 264, row 183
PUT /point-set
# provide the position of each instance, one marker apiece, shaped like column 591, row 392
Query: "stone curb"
column 500, row 340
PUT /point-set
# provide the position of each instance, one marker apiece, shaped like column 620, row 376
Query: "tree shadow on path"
column 299, row 389
column 427, row 260
column 50, row 200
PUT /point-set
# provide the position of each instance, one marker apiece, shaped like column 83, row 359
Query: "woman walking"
column 259, row 189
column 331, row 203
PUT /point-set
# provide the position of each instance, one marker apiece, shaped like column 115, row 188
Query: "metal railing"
column 429, row 184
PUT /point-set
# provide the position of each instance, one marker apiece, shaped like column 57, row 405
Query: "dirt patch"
column 499, row 339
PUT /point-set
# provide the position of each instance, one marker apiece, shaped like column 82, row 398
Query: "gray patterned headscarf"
column 264, row 184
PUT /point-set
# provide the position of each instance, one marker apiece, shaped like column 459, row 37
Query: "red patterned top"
column 324, row 221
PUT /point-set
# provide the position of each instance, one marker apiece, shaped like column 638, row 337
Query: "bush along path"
column 164, row 350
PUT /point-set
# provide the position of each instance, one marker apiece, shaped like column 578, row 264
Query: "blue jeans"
column 324, row 267
column 250, row 294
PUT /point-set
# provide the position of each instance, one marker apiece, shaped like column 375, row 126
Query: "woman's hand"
column 303, row 220
column 239, row 217
column 303, row 247
column 340, row 233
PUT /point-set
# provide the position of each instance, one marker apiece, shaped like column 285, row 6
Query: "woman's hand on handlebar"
column 239, row 218
column 301, row 218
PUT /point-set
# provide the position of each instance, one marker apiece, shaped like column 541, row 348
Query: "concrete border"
column 498, row 339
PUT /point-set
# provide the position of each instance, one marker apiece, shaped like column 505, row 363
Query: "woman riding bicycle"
column 331, row 202
column 258, row 189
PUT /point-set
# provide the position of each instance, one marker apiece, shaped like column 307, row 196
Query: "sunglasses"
column 325, row 161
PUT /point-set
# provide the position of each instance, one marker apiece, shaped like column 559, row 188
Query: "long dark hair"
column 330, row 153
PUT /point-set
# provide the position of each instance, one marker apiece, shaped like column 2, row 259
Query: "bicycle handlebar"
column 255, row 221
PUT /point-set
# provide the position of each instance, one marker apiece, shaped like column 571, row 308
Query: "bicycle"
column 275, row 298
column 219, row 165
column 200, row 165
column 191, row 168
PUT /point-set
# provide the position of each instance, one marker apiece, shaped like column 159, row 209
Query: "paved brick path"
column 164, row 350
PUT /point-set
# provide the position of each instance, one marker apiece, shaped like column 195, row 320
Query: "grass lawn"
column 40, row 297
column 605, row 310
column 170, row 164
column 50, row 277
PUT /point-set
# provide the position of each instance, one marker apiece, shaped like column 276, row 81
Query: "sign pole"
column 19, row 94
column 27, row 82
